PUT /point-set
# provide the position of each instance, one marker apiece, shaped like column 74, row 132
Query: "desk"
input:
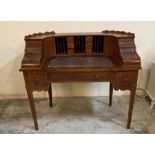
column 109, row 56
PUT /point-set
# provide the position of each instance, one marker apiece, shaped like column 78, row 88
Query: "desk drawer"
column 34, row 78
column 126, row 77
column 79, row 76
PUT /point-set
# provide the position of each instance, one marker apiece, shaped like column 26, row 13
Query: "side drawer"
column 126, row 77
column 35, row 79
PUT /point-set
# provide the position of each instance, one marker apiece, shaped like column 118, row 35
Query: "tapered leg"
column 32, row 106
column 50, row 95
column 131, row 104
column 110, row 94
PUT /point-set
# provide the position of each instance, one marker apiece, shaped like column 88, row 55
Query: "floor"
column 85, row 115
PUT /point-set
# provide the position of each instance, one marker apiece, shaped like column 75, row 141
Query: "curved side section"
column 38, row 48
column 128, row 51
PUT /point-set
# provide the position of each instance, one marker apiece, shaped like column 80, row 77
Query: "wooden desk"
column 109, row 56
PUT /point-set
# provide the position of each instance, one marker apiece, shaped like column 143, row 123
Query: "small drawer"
column 70, row 39
column 33, row 44
column 70, row 45
column 35, row 79
column 126, row 77
column 89, row 38
column 89, row 45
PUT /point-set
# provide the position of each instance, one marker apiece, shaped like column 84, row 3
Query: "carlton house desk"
column 108, row 56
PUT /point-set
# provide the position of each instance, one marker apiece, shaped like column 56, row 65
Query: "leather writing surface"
column 80, row 62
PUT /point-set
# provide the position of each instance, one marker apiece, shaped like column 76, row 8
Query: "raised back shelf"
column 118, row 46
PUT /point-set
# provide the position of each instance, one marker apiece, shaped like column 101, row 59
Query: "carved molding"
column 120, row 86
column 37, row 35
column 119, row 33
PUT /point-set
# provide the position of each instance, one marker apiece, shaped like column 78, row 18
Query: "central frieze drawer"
column 79, row 76
column 126, row 77
column 35, row 78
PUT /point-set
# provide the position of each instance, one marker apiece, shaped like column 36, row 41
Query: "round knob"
column 37, row 79
column 97, row 76
column 125, row 79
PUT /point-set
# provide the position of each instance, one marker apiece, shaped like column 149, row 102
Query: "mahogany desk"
column 108, row 56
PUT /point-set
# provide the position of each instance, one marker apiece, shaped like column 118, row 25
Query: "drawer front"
column 79, row 77
column 89, row 38
column 35, row 79
column 126, row 77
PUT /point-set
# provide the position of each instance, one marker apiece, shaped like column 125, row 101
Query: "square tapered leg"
column 131, row 104
column 50, row 95
column 32, row 106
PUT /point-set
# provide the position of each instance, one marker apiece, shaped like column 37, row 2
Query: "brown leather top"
column 80, row 62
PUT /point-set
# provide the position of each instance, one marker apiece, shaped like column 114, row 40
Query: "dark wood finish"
column 131, row 104
column 50, row 95
column 108, row 56
column 32, row 106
